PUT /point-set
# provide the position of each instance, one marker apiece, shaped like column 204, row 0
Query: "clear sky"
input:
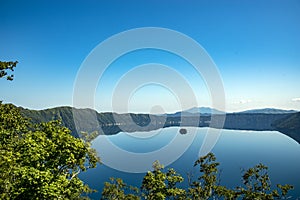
column 255, row 45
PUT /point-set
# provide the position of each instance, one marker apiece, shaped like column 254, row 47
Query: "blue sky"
column 254, row 44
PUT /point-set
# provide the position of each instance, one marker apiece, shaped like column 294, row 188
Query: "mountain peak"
column 204, row 110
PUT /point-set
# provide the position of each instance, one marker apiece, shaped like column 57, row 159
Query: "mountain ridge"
column 89, row 120
column 269, row 111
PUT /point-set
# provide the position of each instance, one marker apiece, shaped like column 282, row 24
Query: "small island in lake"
column 183, row 131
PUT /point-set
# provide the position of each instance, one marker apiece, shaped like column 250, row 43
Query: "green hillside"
column 90, row 121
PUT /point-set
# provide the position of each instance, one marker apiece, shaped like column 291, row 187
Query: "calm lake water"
column 129, row 155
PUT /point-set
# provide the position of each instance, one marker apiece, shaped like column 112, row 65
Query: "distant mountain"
column 269, row 111
column 195, row 111
column 90, row 121
column 209, row 111
column 204, row 110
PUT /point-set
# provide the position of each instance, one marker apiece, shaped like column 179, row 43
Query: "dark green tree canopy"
column 40, row 161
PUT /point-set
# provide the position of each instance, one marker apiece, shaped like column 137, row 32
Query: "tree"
column 162, row 185
column 6, row 66
column 116, row 189
column 40, row 161
column 158, row 185
column 206, row 184
column 257, row 185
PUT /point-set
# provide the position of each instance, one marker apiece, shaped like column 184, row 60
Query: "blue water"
column 234, row 149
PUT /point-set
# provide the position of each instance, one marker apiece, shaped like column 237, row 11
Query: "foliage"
column 158, row 185
column 206, row 184
column 89, row 137
column 162, row 185
column 40, row 161
column 4, row 67
column 115, row 190
column 257, row 185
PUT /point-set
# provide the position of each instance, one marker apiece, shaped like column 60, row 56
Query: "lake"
column 130, row 155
